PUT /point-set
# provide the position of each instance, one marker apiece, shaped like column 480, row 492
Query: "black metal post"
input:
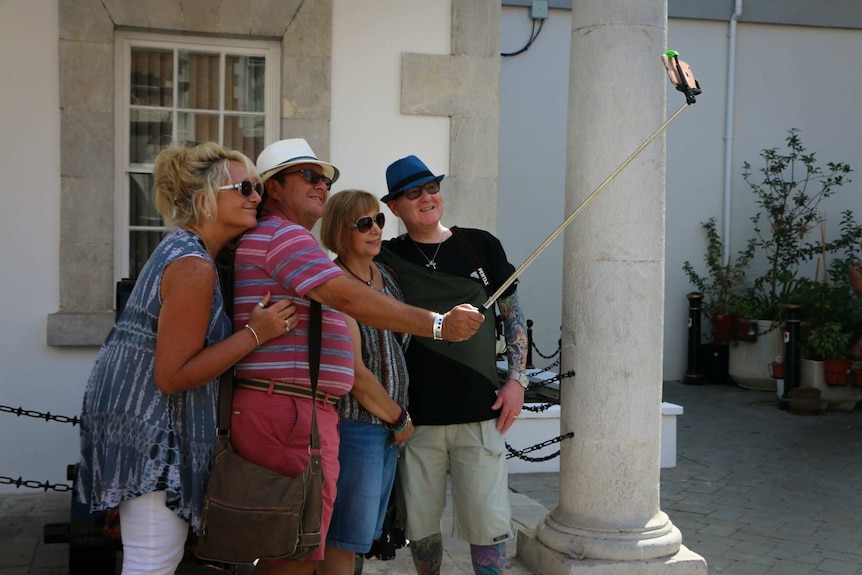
column 693, row 374
column 529, row 344
column 792, row 365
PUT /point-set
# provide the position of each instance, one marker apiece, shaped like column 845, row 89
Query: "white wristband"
column 438, row 326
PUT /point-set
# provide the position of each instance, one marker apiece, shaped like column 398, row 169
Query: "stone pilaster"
column 465, row 86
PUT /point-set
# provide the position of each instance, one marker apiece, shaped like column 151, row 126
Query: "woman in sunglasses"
column 149, row 416
column 373, row 417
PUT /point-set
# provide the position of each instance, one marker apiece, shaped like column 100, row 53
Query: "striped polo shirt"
column 284, row 258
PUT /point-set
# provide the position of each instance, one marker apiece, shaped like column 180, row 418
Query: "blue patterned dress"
column 136, row 439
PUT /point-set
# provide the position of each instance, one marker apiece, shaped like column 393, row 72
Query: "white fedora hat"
column 286, row 153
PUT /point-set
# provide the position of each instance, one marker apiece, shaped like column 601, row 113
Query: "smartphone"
column 674, row 67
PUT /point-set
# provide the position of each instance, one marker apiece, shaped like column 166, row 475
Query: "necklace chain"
column 369, row 283
column 432, row 263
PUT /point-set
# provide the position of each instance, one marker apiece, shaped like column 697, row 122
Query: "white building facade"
column 358, row 81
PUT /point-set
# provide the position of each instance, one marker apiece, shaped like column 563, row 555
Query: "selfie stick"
column 679, row 74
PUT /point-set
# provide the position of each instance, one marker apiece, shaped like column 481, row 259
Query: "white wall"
column 533, row 109
column 368, row 130
column 33, row 376
column 787, row 77
column 695, row 173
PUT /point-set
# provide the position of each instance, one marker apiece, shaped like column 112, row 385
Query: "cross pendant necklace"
column 432, row 263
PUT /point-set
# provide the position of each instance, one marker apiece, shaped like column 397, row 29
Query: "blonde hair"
column 186, row 181
column 339, row 213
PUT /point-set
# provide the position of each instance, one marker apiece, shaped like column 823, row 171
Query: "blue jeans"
column 368, row 461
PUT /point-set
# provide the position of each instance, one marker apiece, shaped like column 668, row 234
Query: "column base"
column 658, row 538
column 539, row 558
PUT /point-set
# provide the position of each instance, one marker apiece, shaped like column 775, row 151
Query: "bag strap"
column 224, row 270
column 476, row 262
column 225, row 394
column 315, row 330
column 473, row 258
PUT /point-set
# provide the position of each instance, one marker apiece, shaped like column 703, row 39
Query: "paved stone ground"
column 756, row 491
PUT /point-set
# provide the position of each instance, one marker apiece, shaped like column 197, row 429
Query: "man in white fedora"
column 272, row 402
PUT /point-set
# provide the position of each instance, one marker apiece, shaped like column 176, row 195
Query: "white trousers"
column 154, row 537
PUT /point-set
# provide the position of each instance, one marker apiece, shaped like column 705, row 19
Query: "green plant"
column 788, row 195
column 827, row 341
column 721, row 281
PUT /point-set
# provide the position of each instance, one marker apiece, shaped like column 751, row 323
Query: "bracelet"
column 403, row 416
column 254, row 333
column 403, row 426
column 438, row 326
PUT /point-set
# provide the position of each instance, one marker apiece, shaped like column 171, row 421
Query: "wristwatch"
column 521, row 378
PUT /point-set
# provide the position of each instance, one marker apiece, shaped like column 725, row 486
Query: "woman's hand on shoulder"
column 272, row 320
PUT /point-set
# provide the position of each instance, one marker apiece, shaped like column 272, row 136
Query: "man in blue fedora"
column 458, row 405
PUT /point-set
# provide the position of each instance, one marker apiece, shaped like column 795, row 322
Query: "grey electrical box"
column 539, row 9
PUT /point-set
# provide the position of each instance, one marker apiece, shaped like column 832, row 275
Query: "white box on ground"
column 669, row 412
column 532, row 428
column 535, row 427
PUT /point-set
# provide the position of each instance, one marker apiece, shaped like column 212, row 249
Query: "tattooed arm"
column 515, row 328
column 510, row 398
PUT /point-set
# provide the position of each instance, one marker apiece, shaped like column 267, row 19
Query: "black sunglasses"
column 312, row 177
column 431, row 187
column 245, row 188
column 363, row 224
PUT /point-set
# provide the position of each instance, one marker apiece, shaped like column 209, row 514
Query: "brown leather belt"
column 282, row 388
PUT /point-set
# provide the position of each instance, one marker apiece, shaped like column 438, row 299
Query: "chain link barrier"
column 45, row 485
column 520, row 454
column 48, row 416
column 542, row 355
column 19, row 411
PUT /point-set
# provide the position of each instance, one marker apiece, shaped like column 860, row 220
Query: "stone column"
column 609, row 520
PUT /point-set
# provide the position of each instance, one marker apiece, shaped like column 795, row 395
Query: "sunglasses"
column 312, row 177
column 363, row 224
column 431, row 187
column 245, row 188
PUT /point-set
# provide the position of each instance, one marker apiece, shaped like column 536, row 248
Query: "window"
column 190, row 90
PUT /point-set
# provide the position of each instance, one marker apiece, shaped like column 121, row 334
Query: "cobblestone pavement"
column 756, row 491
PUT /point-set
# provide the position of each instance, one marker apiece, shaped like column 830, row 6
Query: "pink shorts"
column 273, row 430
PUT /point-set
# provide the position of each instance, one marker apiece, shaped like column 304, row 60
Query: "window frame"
column 123, row 168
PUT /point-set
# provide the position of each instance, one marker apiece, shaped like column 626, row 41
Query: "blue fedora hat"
column 403, row 174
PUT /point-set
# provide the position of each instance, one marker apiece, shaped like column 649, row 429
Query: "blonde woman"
column 149, row 414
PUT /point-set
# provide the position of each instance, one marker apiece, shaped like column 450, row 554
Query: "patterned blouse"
column 383, row 354
column 136, row 439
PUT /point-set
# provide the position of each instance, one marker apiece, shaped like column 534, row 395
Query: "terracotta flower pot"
column 746, row 330
column 837, row 371
column 776, row 370
column 723, row 327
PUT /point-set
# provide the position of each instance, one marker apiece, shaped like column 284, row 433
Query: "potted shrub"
column 720, row 282
column 788, row 193
column 829, row 343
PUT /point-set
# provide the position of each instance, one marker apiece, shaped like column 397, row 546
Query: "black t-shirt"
column 443, row 391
